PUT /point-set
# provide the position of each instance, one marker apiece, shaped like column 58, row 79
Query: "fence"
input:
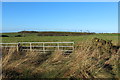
column 41, row 46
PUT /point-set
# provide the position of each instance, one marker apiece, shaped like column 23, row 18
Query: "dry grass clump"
column 88, row 61
column 0, row 70
column 21, row 64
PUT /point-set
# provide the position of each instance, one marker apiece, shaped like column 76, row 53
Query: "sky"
column 60, row 0
column 60, row 16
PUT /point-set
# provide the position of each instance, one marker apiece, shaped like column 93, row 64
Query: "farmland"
column 91, row 60
column 33, row 37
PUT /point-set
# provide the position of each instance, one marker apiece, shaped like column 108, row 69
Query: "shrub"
column 4, row 36
column 18, row 36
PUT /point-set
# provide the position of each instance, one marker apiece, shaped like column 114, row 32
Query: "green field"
column 32, row 37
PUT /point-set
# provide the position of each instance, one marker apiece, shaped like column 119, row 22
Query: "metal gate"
column 40, row 46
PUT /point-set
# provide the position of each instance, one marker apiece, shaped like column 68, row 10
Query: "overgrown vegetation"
column 94, row 58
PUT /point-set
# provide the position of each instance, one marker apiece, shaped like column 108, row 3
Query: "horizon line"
column 55, row 31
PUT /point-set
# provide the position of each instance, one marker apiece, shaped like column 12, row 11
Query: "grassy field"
column 32, row 37
column 93, row 59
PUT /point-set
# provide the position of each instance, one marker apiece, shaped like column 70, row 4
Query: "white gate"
column 41, row 46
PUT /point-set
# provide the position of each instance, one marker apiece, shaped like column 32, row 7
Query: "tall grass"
column 87, row 61
column 0, row 69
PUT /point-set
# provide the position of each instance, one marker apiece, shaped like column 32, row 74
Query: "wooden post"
column 58, row 45
column 43, row 47
column 30, row 46
column 73, row 46
column 17, row 47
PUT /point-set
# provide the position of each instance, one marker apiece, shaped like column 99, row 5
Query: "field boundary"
column 40, row 46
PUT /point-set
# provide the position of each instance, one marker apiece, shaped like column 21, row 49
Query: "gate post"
column 43, row 47
column 17, row 47
column 30, row 46
column 58, row 45
column 73, row 46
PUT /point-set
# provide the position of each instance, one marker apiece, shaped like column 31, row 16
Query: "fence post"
column 73, row 46
column 30, row 46
column 17, row 47
column 43, row 47
column 58, row 45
